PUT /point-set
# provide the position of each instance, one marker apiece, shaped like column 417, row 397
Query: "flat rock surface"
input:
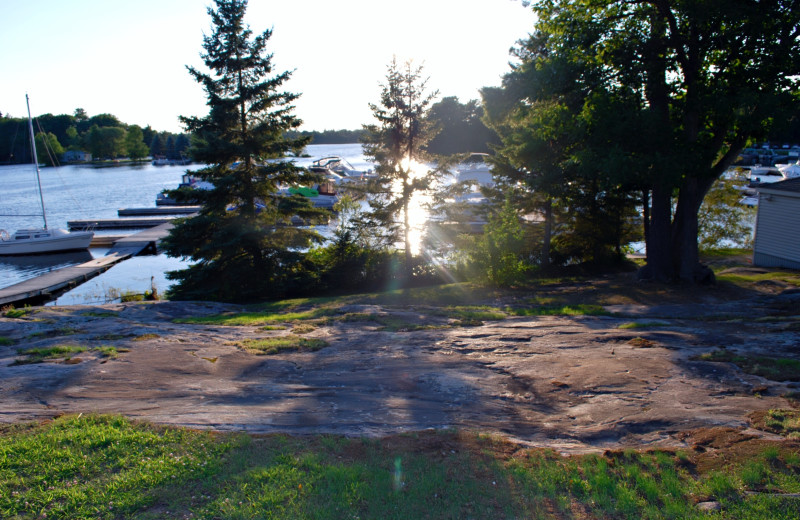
column 571, row 383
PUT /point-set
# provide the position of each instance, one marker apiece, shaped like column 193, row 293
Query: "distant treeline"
column 103, row 135
column 460, row 129
column 329, row 136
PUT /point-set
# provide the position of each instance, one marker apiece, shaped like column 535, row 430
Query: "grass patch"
column 782, row 422
column 273, row 327
column 40, row 355
column 254, row 319
column 109, row 467
column 788, row 277
column 111, row 337
column 642, row 325
column 579, row 309
column 303, row 328
column 53, row 333
column 5, row 342
column 17, row 313
column 776, row 369
column 280, row 344
column 474, row 313
column 109, row 352
column 103, row 314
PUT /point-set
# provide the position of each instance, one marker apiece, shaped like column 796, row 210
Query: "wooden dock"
column 49, row 285
column 159, row 210
column 118, row 223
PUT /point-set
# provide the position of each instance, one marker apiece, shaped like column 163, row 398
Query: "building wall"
column 777, row 240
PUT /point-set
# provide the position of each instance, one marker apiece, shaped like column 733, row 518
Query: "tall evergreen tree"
column 241, row 242
column 396, row 143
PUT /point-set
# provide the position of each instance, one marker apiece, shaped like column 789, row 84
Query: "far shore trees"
column 242, row 244
column 396, row 144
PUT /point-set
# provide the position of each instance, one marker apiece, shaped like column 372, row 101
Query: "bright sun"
column 417, row 209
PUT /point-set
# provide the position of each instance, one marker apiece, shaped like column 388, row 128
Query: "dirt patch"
column 573, row 383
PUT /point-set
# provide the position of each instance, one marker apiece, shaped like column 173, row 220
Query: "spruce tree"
column 242, row 244
column 397, row 144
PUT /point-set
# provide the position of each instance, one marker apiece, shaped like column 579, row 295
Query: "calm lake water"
column 87, row 192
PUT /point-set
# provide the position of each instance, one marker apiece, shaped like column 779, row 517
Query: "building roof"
column 788, row 186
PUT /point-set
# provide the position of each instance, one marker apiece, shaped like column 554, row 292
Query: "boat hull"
column 56, row 243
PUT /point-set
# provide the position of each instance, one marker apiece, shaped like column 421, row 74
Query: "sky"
column 129, row 58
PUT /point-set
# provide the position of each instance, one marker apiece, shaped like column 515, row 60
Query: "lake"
column 92, row 192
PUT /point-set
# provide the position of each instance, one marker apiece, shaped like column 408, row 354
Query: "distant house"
column 777, row 237
column 76, row 156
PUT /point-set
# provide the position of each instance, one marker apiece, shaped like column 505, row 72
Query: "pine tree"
column 396, row 143
column 242, row 242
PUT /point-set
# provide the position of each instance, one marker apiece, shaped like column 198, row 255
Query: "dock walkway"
column 49, row 285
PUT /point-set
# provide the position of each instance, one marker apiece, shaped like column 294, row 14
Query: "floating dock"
column 49, row 285
column 162, row 210
column 118, row 223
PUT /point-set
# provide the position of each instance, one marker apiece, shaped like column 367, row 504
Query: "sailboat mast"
column 35, row 160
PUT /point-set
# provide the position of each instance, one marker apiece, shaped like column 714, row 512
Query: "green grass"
column 254, row 319
column 17, row 313
column 474, row 313
column 789, row 277
column 64, row 353
column 5, row 342
column 579, row 309
column 777, row 369
column 103, row 314
column 280, row 344
column 642, row 325
column 783, row 422
column 109, row 352
column 109, row 467
column 40, row 355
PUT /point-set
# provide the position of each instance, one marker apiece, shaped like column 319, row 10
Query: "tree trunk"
column 646, row 216
column 548, row 232
column 684, row 233
column 407, row 229
column 659, row 240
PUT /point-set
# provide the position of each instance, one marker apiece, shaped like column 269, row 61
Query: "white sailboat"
column 41, row 240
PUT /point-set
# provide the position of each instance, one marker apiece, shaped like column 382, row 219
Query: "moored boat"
column 44, row 240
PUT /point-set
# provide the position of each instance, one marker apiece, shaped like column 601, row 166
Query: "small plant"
column 5, row 342
column 131, row 296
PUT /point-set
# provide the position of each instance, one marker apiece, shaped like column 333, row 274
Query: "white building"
column 75, row 156
column 777, row 236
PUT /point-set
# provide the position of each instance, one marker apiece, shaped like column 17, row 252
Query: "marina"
column 91, row 193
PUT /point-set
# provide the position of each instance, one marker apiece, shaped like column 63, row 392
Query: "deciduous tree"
column 134, row 143
column 674, row 90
